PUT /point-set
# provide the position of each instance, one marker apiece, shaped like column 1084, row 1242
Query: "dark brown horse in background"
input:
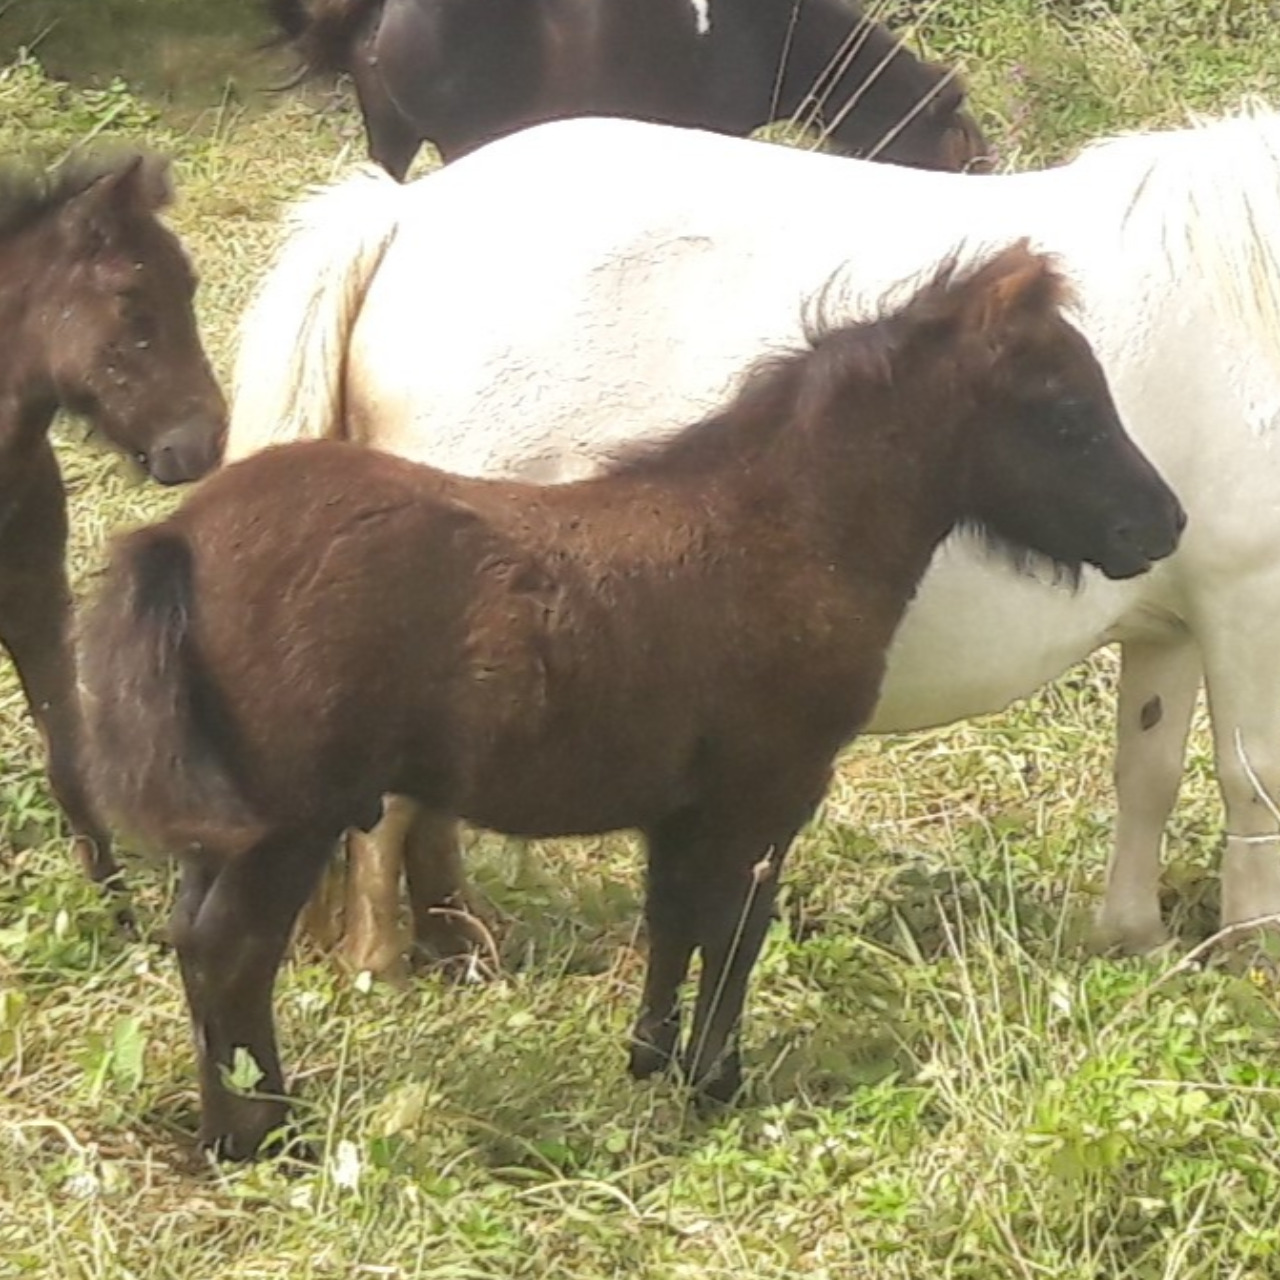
column 681, row 645
column 96, row 311
column 461, row 73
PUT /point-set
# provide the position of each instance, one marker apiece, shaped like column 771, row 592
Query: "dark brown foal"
column 96, row 309
column 681, row 646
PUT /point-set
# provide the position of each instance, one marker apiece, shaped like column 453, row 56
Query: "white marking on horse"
column 702, row 15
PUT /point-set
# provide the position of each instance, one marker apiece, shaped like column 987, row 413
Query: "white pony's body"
column 569, row 289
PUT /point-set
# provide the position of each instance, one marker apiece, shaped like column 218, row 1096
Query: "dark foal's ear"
column 144, row 185
column 137, row 187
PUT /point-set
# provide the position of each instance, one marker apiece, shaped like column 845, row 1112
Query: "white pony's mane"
column 1208, row 198
column 333, row 241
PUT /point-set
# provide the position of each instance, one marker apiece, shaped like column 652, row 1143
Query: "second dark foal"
column 96, row 311
column 681, row 645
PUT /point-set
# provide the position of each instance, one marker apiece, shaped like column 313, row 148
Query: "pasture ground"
column 943, row 1083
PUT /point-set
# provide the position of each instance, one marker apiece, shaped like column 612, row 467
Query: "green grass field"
column 943, row 1083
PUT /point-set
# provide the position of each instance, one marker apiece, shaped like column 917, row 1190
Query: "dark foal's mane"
column 29, row 193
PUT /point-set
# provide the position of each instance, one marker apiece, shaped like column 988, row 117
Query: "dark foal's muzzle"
column 185, row 453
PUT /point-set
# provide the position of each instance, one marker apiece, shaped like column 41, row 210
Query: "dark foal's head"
column 1046, row 465
column 115, row 292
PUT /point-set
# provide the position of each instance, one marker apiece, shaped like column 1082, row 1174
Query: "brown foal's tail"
column 158, row 738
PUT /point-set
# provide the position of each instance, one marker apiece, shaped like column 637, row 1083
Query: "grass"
column 942, row 1082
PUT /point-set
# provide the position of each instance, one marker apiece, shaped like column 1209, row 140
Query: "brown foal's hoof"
column 719, row 1086
column 281, row 1144
column 248, row 1128
column 653, row 1048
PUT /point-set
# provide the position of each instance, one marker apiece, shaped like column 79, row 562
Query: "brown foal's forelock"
column 680, row 646
column 96, row 309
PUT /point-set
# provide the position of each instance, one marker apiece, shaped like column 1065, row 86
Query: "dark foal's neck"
column 31, row 307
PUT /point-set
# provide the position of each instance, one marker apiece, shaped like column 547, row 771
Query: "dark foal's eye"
column 1073, row 419
column 140, row 321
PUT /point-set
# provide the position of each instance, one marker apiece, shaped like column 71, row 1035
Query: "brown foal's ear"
column 1015, row 289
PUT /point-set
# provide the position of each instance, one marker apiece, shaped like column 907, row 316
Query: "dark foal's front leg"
column 35, row 627
column 231, row 925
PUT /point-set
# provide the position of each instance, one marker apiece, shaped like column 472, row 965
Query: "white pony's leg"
column 373, row 939
column 1240, row 666
column 1158, row 687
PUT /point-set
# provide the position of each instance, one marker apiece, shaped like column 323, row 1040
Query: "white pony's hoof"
column 1128, row 938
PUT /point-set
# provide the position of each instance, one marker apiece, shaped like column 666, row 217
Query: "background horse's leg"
column 1158, row 687
column 393, row 138
column 231, row 924
column 1239, row 663
column 444, row 927
column 321, row 919
column 35, row 627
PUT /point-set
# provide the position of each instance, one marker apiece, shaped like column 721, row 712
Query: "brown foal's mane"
column 785, row 390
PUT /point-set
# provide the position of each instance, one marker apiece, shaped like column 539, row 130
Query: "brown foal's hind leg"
column 35, row 627
column 231, row 925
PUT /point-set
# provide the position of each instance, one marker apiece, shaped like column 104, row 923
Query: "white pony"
column 562, row 292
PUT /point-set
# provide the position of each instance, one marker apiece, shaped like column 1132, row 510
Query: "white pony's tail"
column 291, row 358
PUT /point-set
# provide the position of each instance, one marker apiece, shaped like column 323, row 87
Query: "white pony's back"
column 519, row 275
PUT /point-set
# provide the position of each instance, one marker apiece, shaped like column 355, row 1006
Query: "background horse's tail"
column 157, row 736
column 291, row 362
column 323, row 32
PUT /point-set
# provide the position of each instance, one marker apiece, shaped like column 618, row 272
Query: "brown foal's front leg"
column 671, row 921
column 713, row 881
column 35, row 627
column 231, row 924
column 734, row 919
